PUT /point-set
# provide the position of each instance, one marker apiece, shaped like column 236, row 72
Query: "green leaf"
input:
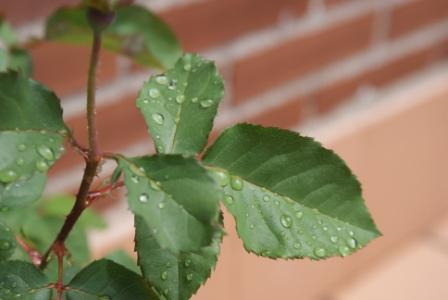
column 177, row 275
column 21, row 192
column 180, row 105
column 7, row 242
column 176, row 208
column 12, row 57
column 20, row 60
column 104, row 279
column 59, row 206
column 136, row 32
column 124, row 259
column 21, row 280
column 31, row 132
column 7, row 35
column 290, row 196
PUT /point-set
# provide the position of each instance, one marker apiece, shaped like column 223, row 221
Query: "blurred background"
column 368, row 78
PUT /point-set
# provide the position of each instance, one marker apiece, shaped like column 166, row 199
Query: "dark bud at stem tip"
column 99, row 20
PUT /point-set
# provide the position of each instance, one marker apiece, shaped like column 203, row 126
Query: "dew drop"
column 134, row 179
column 251, row 226
column 325, row 228
column 154, row 93
column 344, row 250
column 286, row 221
column 187, row 263
column 236, row 183
column 172, row 84
column 164, row 275
column 351, row 233
column 42, row 165
column 194, row 100
column 5, row 245
column 180, row 99
column 143, row 198
column 21, row 147
column 223, row 178
column 352, row 243
column 206, row 103
column 45, row 152
column 229, row 199
column 334, row 239
column 162, row 80
column 187, row 67
column 320, row 252
column 189, row 277
column 276, row 202
column 158, row 118
column 299, row 214
column 297, row 245
column 161, row 205
column 266, row 198
column 20, row 161
column 8, row 176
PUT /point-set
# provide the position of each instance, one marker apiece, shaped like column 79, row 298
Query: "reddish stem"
column 34, row 255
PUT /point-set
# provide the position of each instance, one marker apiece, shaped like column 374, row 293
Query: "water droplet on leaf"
column 229, row 199
column 320, row 252
column 206, row 103
column 187, row 263
column 21, row 147
column 189, row 277
column 8, row 176
column 344, row 250
column 45, row 152
column 41, row 165
column 154, row 93
column 334, row 239
column 158, row 118
column 236, row 183
column 286, row 221
column 352, row 243
column 161, row 79
column 143, row 198
column 164, row 275
column 223, row 178
column 180, row 99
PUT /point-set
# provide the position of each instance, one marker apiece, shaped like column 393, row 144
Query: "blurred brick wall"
column 284, row 61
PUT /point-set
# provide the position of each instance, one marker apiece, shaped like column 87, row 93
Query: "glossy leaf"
column 180, row 105
column 177, row 275
column 136, row 32
column 290, row 196
column 107, row 280
column 7, row 242
column 123, row 258
column 21, row 192
column 31, row 133
column 21, row 280
column 176, row 208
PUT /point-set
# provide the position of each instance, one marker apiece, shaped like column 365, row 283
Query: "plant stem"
column 92, row 162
